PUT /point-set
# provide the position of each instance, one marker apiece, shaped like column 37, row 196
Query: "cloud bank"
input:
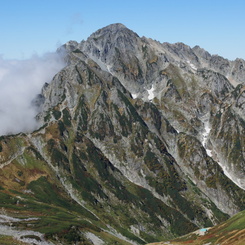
column 20, row 82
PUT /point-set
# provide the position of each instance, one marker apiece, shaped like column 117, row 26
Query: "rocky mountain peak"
column 112, row 28
column 112, row 33
column 140, row 141
column 201, row 52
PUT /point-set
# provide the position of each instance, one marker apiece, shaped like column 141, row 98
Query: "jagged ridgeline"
column 140, row 142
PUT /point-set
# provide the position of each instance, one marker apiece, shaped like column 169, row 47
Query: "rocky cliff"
column 140, row 141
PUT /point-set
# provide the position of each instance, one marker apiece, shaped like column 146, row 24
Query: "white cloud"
column 20, row 82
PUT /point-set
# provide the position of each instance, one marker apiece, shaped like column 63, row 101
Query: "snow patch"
column 109, row 68
column 142, row 173
column 237, row 181
column 192, row 65
column 209, row 152
column 134, row 96
column 150, row 93
column 205, row 138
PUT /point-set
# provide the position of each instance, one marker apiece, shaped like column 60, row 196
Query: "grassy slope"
column 29, row 189
column 8, row 240
column 231, row 232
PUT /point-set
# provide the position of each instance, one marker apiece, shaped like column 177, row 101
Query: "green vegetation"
column 126, row 125
column 61, row 127
column 8, row 240
column 82, row 114
column 144, row 50
column 231, row 231
column 56, row 114
column 57, row 213
column 80, row 79
column 66, row 117
column 83, row 120
column 46, row 192
column 85, row 182
column 152, row 162
column 135, row 116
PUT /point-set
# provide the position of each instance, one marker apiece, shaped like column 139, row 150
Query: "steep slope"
column 137, row 141
column 182, row 81
column 182, row 86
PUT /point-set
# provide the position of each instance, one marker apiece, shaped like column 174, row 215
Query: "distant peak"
column 116, row 26
column 112, row 28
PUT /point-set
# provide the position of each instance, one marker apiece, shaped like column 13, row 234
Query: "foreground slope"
column 136, row 143
column 230, row 232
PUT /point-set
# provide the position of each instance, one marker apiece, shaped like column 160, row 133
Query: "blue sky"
column 30, row 27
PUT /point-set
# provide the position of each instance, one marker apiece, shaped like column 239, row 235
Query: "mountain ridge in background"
column 140, row 142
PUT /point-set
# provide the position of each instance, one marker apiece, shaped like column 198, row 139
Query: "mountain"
column 139, row 141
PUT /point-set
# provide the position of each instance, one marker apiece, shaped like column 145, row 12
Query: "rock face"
column 141, row 141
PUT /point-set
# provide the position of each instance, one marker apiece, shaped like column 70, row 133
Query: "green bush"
column 66, row 117
column 56, row 114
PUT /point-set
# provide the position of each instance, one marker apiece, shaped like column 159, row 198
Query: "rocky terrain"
column 139, row 141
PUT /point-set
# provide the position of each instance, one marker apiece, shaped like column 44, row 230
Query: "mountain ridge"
column 137, row 141
column 192, row 68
